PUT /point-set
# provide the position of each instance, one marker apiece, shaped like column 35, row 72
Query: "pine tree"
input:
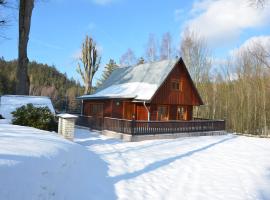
column 107, row 72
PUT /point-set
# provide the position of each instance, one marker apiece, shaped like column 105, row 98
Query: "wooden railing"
column 91, row 122
column 157, row 127
column 135, row 127
column 119, row 125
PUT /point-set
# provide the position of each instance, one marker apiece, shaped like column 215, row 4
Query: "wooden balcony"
column 137, row 127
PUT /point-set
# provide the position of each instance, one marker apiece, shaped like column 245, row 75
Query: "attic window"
column 175, row 84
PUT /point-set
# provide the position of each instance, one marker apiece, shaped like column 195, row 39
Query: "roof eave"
column 102, row 97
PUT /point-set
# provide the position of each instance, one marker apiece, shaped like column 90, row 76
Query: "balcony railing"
column 138, row 127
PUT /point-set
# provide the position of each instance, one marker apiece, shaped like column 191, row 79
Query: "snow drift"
column 36, row 164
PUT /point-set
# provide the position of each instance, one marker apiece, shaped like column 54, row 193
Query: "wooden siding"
column 107, row 108
column 166, row 95
column 141, row 112
column 129, row 109
column 117, row 109
column 125, row 110
column 172, row 112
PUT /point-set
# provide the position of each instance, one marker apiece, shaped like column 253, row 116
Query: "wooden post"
column 133, row 124
column 81, row 107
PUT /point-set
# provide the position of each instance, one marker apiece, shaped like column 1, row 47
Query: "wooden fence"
column 135, row 127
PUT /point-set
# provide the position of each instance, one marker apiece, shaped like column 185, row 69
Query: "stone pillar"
column 66, row 125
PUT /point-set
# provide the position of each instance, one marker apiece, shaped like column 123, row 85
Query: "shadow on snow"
column 101, row 171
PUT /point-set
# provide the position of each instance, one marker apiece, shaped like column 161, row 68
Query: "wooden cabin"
column 157, row 91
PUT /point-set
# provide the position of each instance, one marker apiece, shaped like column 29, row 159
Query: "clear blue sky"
column 59, row 27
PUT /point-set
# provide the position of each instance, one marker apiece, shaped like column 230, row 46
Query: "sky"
column 59, row 27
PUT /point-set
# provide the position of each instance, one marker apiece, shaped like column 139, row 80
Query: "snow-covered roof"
column 138, row 82
column 9, row 103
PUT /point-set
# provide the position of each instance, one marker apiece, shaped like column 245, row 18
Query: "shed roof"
column 138, row 82
column 9, row 103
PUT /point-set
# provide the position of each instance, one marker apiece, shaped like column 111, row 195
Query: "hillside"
column 44, row 80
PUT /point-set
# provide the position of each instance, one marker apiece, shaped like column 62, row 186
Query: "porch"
column 147, row 128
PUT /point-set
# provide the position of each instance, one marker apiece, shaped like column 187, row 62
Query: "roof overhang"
column 89, row 97
column 141, row 100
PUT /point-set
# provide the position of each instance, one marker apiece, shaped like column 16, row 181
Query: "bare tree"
column 261, row 53
column 258, row 3
column 151, row 48
column 166, row 48
column 128, row 58
column 196, row 55
column 25, row 14
column 90, row 61
column 2, row 21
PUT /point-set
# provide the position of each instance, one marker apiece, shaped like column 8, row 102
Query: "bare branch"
column 260, row 53
column 258, row 3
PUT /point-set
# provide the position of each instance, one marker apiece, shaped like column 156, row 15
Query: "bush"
column 37, row 117
column 1, row 117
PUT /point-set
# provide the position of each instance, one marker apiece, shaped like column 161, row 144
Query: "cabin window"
column 96, row 109
column 163, row 113
column 177, row 85
column 181, row 113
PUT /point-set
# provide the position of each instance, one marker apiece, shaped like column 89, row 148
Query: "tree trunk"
column 25, row 13
column 86, row 88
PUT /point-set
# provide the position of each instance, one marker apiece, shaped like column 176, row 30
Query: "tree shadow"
column 162, row 163
column 100, row 171
column 264, row 191
column 90, row 142
column 156, row 143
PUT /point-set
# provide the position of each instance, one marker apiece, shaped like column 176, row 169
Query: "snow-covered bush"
column 37, row 117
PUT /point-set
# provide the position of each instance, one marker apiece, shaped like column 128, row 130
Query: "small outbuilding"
column 9, row 103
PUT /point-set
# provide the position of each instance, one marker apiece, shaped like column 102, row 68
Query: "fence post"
column 133, row 124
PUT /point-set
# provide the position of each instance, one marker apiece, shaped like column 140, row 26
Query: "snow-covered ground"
column 209, row 167
column 35, row 164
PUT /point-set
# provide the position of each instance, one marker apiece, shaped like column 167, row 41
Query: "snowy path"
column 214, row 167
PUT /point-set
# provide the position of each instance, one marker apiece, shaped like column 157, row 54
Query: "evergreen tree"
column 107, row 72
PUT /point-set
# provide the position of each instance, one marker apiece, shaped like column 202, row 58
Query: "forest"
column 44, row 80
column 236, row 89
